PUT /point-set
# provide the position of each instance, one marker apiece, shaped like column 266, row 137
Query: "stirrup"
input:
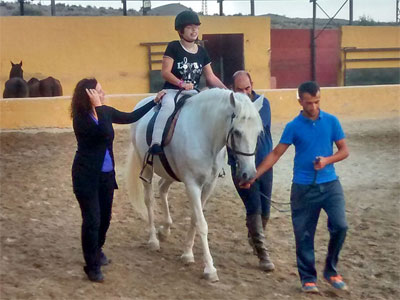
column 222, row 173
column 146, row 174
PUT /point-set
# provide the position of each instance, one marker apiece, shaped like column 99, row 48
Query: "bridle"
column 233, row 148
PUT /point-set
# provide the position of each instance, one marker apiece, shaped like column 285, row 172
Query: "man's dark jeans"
column 306, row 204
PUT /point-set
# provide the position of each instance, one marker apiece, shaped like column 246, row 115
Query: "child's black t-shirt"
column 187, row 66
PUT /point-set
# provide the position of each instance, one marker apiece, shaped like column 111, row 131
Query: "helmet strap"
column 186, row 40
column 182, row 37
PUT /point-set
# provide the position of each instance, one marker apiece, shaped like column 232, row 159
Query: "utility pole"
column 204, row 7
column 252, row 8
column 53, row 7
column 397, row 12
column 221, row 7
column 21, row 7
column 124, row 7
column 146, row 7
column 313, row 50
column 351, row 12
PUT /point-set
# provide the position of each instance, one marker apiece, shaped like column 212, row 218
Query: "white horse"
column 207, row 123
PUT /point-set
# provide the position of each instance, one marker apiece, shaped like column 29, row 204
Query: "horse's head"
column 16, row 70
column 242, row 138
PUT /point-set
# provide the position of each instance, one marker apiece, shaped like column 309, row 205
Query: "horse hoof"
column 187, row 259
column 163, row 233
column 211, row 277
column 154, row 245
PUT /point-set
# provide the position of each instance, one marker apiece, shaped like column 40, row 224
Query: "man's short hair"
column 310, row 87
column 240, row 73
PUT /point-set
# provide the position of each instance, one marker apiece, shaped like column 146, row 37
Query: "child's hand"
column 188, row 86
column 94, row 97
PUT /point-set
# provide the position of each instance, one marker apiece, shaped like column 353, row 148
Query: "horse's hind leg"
column 164, row 230
column 153, row 242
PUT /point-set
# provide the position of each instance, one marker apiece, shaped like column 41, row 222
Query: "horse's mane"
column 213, row 98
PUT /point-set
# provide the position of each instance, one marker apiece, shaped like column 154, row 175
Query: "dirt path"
column 40, row 228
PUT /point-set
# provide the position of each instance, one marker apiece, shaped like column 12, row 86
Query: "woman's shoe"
column 94, row 274
column 104, row 261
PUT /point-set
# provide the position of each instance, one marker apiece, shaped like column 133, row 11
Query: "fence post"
column 21, row 7
column 53, row 7
column 313, row 50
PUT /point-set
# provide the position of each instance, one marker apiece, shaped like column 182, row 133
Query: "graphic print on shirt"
column 190, row 72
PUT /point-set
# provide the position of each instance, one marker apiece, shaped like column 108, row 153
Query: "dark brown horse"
column 50, row 87
column 16, row 86
column 33, row 85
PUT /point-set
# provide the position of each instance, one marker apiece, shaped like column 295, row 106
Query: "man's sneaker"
column 337, row 282
column 156, row 149
column 310, row 287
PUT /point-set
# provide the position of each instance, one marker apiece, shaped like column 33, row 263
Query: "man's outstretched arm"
column 267, row 163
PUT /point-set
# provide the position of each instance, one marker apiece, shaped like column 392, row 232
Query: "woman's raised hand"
column 159, row 96
column 94, row 97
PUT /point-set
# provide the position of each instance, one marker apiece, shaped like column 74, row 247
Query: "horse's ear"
column 232, row 98
column 259, row 102
column 12, row 64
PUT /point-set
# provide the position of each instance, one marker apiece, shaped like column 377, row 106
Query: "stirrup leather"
column 146, row 174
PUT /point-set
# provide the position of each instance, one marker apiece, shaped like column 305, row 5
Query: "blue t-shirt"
column 312, row 138
column 107, row 163
column 264, row 142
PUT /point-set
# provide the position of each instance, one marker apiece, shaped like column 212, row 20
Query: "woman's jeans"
column 96, row 210
column 306, row 204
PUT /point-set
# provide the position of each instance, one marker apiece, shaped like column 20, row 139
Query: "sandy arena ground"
column 40, row 221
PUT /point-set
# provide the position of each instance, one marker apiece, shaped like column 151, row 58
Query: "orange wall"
column 108, row 48
column 345, row 102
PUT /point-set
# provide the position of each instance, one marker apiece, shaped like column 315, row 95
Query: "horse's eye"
column 237, row 133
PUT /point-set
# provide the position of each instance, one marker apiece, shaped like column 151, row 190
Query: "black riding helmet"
column 185, row 18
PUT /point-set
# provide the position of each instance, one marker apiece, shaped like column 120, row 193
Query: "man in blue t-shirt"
column 315, row 184
column 257, row 199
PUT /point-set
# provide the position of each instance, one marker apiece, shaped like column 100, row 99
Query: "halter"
column 236, row 152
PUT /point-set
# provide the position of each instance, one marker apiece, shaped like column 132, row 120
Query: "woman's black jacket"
column 93, row 140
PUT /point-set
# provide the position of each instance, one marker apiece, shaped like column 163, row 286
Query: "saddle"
column 167, row 136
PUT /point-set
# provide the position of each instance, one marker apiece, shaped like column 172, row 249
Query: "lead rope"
column 288, row 203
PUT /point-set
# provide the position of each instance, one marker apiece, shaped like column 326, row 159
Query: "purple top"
column 107, row 163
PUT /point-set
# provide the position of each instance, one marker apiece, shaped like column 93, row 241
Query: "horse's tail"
column 134, row 184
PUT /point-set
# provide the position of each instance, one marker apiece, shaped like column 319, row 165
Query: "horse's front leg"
column 194, row 193
column 187, row 256
column 153, row 242
column 165, row 229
